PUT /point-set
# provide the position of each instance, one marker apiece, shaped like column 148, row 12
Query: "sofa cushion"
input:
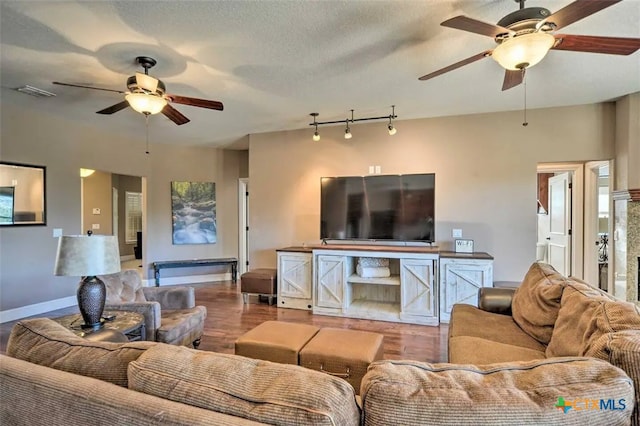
column 257, row 390
column 476, row 350
column 622, row 349
column 122, row 287
column 495, row 327
column 536, row 302
column 577, row 307
column 414, row 393
column 609, row 317
column 45, row 342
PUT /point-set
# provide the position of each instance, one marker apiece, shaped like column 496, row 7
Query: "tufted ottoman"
column 276, row 341
column 259, row 281
column 343, row 353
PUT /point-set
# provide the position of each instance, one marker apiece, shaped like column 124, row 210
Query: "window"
column 133, row 214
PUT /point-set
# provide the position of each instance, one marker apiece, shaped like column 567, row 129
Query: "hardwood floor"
column 228, row 318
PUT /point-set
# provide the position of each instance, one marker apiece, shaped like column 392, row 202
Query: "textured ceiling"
column 273, row 62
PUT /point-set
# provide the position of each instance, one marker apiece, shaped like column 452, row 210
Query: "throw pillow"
column 536, row 302
column 577, row 308
column 257, row 390
column 45, row 342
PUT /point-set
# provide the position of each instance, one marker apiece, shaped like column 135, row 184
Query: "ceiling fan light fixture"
column 523, row 51
column 146, row 103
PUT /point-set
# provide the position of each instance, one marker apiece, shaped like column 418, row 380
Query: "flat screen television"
column 378, row 207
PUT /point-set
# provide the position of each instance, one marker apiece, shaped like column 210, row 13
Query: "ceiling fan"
column 525, row 36
column 147, row 95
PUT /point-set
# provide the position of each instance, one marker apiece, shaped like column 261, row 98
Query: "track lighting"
column 347, row 131
column 316, row 135
column 392, row 130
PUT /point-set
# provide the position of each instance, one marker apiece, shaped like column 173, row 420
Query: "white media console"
column 422, row 288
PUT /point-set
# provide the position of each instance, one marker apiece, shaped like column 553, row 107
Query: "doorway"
column 243, row 225
column 560, row 224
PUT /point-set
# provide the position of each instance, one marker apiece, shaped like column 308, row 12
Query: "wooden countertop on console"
column 393, row 249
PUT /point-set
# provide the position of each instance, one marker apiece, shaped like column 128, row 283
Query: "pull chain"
column 146, row 121
column 525, row 123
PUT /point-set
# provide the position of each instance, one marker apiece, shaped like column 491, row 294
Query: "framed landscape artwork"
column 193, row 210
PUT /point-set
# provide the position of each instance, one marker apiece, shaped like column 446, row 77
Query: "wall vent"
column 34, row 91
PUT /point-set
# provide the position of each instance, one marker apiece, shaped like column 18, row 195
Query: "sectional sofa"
column 497, row 375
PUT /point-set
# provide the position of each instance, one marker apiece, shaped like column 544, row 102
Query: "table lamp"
column 87, row 256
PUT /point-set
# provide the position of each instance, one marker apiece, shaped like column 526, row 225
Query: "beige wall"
column 626, row 170
column 27, row 254
column 485, row 169
column 96, row 191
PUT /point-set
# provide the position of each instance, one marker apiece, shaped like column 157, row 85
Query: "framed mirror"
column 22, row 194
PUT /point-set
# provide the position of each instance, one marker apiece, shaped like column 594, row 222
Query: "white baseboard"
column 189, row 279
column 37, row 308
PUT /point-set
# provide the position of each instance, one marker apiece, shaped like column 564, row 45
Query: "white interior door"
column 560, row 223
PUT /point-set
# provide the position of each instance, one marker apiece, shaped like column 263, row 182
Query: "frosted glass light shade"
column 83, row 255
column 146, row 104
column 523, row 51
column 316, row 136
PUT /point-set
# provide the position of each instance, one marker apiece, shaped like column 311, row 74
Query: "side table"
column 131, row 324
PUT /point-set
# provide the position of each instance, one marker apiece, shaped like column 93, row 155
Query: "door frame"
column 243, row 225
column 577, row 210
column 591, row 218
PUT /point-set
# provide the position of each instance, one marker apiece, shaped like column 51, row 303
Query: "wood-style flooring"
column 228, row 318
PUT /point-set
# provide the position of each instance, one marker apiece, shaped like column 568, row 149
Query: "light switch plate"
column 456, row 233
column 95, row 226
column 57, row 232
column 96, row 210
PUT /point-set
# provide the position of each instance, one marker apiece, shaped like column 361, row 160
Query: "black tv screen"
column 378, row 207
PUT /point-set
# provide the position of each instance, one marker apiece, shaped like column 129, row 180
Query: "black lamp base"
column 91, row 296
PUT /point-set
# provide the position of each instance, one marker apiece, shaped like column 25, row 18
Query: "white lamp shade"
column 523, row 51
column 83, row 255
column 146, row 104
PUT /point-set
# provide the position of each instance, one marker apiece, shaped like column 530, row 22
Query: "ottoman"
column 343, row 353
column 276, row 341
column 259, row 281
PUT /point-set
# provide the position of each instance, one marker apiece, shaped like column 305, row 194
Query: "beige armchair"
column 170, row 313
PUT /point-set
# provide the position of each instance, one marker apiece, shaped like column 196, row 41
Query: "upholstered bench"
column 276, row 341
column 260, row 281
column 343, row 353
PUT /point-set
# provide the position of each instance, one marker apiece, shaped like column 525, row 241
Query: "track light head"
column 347, row 133
column 392, row 130
column 316, row 136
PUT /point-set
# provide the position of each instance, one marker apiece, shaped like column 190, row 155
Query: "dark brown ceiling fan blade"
column 474, row 26
column 576, row 11
column 114, row 108
column 457, row 65
column 202, row 103
column 512, row 78
column 597, row 44
column 174, row 115
column 87, row 87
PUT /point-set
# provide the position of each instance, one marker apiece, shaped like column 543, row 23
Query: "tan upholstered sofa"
column 50, row 376
column 514, row 356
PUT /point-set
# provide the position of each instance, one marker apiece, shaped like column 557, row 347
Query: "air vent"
column 34, row 91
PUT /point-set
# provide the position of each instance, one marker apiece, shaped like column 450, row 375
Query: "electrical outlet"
column 456, row 233
column 371, row 170
column 57, row 232
column 378, row 170
column 95, row 226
